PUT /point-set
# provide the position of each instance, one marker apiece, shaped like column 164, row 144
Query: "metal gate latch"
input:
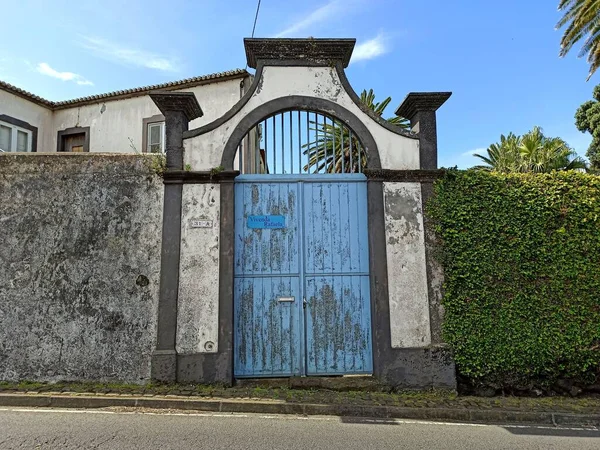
column 285, row 299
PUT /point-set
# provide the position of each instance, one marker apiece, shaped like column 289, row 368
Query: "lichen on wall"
column 198, row 300
column 79, row 266
column 407, row 275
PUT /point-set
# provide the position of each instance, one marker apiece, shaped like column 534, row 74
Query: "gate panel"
column 338, row 313
column 267, row 290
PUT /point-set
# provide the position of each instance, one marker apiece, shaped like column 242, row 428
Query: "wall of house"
column 30, row 112
column 116, row 126
column 79, row 278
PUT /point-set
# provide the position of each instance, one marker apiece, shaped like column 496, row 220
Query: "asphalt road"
column 82, row 429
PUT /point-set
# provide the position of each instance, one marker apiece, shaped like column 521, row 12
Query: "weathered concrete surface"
column 79, row 266
column 407, row 275
column 198, row 305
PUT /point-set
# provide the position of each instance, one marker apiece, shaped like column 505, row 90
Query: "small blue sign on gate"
column 266, row 222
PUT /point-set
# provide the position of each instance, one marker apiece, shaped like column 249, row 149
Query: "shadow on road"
column 580, row 432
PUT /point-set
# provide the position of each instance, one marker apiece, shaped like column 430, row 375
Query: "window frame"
column 60, row 140
column 20, row 125
column 146, row 123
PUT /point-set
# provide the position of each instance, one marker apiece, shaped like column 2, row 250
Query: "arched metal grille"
column 300, row 142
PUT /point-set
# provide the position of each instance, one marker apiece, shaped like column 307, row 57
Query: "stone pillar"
column 420, row 108
column 179, row 108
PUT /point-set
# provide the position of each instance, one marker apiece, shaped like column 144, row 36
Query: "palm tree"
column 532, row 152
column 336, row 149
column 583, row 19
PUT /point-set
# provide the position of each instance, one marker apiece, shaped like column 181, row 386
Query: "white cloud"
column 324, row 13
column 131, row 56
column 370, row 49
column 45, row 69
column 480, row 151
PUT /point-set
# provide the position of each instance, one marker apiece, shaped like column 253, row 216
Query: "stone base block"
column 419, row 368
column 164, row 366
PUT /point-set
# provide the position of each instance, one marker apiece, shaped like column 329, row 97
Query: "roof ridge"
column 170, row 84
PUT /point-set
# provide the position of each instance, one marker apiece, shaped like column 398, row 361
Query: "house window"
column 156, row 137
column 153, row 134
column 14, row 138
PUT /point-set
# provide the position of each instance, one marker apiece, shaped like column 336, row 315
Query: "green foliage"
column 335, row 150
column 587, row 119
column 216, row 170
column 582, row 18
column 522, row 274
column 532, row 152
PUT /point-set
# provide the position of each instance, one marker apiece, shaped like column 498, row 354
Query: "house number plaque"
column 201, row 223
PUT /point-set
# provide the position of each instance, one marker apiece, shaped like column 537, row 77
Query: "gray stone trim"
column 60, row 143
column 421, row 101
column 378, row 276
column 420, row 108
column 404, row 175
column 163, row 365
column 184, row 102
column 322, row 51
column 369, row 112
column 300, row 102
column 22, row 124
column 145, row 122
column 218, row 367
column 256, row 84
column 169, row 282
column 434, row 269
column 198, row 177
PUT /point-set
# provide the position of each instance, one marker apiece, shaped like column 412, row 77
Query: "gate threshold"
column 333, row 383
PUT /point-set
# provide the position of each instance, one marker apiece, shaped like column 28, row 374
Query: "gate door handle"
column 285, row 299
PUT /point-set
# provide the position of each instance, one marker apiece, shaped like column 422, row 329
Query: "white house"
column 121, row 121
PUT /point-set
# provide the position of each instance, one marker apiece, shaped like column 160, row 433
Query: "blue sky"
column 500, row 59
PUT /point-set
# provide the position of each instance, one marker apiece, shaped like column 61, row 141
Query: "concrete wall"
column 79, row 266
column 198, row 302
column 396, row 152
column 30, row 112
column 407, row 274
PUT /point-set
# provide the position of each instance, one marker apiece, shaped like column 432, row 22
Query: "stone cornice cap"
column 421, row 101
column 185, row 102
column 321, row 51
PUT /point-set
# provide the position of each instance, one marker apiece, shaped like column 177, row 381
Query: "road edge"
column 473, row 415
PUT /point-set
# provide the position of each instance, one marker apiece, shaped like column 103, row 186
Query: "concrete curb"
column 499, row 416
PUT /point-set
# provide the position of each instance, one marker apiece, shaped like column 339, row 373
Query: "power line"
column 255, row 18
column 254, row 26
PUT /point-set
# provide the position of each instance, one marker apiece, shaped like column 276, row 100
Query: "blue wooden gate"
column 301, row 290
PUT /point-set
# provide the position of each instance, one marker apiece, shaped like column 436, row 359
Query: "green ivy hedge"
column 521, row 255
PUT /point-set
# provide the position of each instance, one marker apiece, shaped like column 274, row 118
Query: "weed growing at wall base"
column 521, row 255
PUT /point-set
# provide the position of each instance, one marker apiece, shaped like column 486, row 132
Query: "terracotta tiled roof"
column 172, row 85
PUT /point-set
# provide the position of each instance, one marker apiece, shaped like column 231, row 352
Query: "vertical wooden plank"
column 335, row 230
column 309, row 229
column 325, row 226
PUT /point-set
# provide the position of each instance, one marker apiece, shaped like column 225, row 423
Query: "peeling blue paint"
column 321, row 255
